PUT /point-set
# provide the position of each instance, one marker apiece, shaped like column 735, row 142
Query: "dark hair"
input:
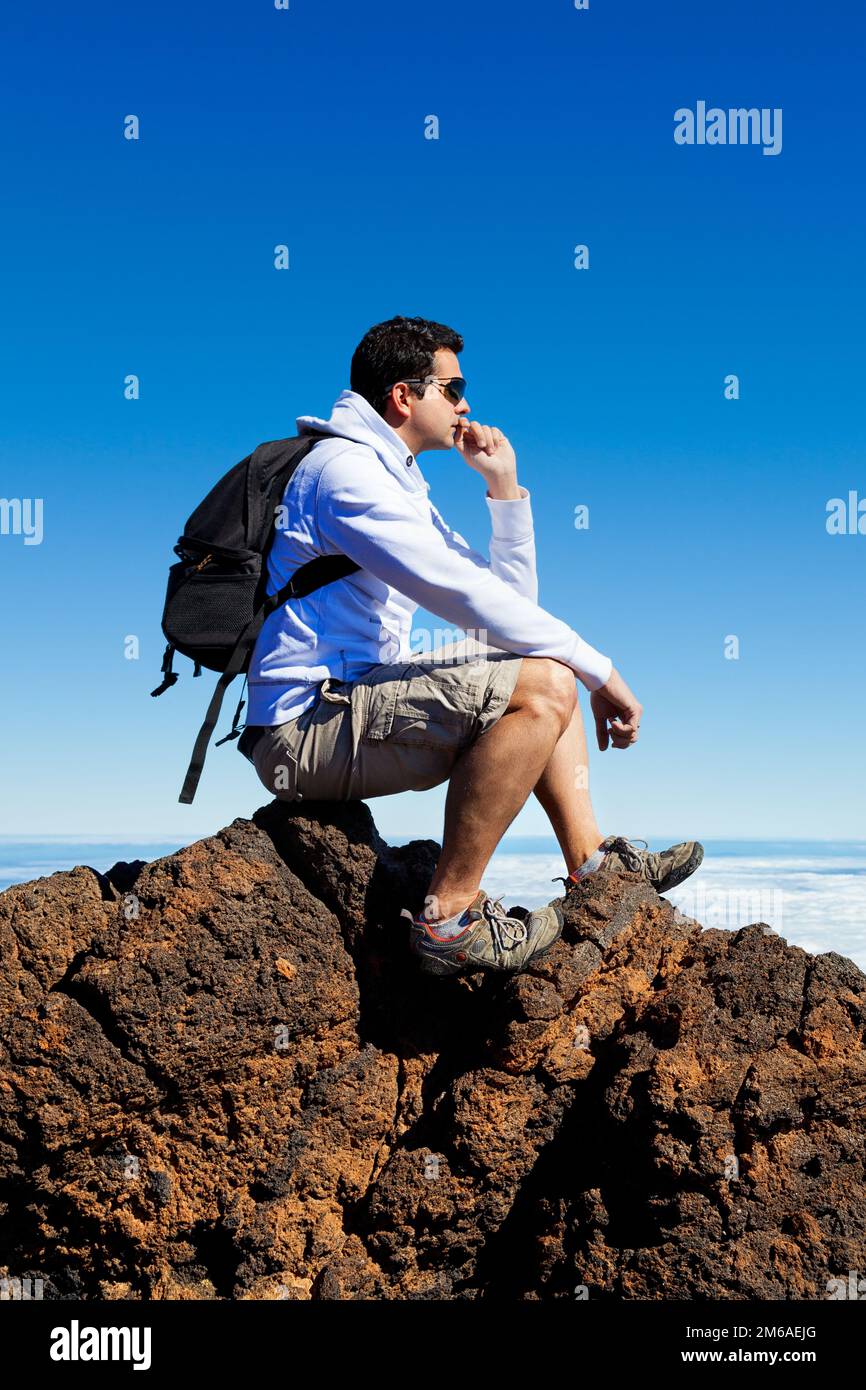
column 394, row 350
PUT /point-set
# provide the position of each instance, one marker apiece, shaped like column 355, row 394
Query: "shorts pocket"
column 410, row 707
column 277, row 767
column 438, row 727
column 379, row 699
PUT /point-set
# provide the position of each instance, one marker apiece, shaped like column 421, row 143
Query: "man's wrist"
column 504, row 489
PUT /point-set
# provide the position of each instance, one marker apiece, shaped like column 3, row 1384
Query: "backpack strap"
column 236, row 730
column 169, row 676
column 313, row 575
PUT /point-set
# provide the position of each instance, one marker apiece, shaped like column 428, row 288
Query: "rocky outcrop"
column 222, row 1077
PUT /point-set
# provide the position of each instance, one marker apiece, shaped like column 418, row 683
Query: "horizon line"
column 96, row 837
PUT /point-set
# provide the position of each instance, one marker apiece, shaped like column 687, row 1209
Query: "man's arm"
column 489, row 452
column 512, row 541
column 361, row 513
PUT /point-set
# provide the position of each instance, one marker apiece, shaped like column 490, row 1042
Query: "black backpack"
column 216, row 603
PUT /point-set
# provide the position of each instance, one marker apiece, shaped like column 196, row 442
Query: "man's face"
column 434, row 419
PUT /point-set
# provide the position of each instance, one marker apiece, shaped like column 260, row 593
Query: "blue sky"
column 306, row 127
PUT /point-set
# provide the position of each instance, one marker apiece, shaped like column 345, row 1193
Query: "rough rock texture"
column 222, row 1077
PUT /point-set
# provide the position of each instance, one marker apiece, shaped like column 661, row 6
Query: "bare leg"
column 491, row 781
column 563, row 790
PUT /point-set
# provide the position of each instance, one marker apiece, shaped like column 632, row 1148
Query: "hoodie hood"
column 353, row 417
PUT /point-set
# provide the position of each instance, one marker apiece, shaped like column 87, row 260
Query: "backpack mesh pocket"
column 209, row 610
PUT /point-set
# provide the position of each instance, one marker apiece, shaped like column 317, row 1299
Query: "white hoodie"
column 362, row 494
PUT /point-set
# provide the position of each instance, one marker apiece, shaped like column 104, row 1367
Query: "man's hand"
column 486, row 449
column 614, row 704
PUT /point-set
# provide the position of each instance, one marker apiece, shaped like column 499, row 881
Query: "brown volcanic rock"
column 221, row 1076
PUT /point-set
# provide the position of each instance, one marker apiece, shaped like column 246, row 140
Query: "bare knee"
column 546, row 686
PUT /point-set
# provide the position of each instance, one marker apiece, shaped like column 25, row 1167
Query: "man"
column 337, row 708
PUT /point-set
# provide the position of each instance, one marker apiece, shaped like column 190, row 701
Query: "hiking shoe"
column 491, row 940
column 663, row 870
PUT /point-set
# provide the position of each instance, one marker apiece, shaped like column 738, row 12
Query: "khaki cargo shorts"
column 398, row 727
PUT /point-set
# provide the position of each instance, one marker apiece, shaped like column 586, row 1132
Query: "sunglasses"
column 453, row 387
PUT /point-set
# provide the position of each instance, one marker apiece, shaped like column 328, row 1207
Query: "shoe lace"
column 506, row 931
column 630, row 854
column 632, row 857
